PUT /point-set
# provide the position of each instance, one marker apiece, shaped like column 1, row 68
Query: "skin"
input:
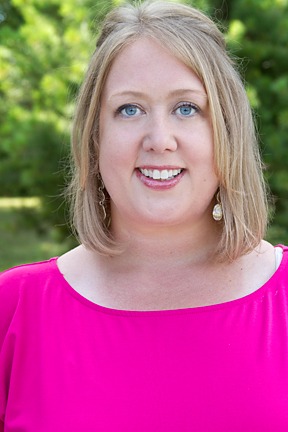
column 155, row 115
column 162, row 132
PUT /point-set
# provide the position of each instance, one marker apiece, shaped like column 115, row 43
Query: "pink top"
column 69, row 365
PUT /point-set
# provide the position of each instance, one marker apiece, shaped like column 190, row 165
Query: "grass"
column 20, row 203
column 22, row 240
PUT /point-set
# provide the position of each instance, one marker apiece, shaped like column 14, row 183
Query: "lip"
column 159, row 185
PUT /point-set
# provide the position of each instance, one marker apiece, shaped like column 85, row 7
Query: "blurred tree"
column 45, row 46
column 258, row 35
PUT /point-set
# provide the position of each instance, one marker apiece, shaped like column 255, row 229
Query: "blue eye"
column 129, row 110
column 186, row 110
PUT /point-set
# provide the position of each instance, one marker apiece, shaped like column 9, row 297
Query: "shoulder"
column 280, row 265
column 281, row 253
column 284, row 248
column 13, row 281
column 278, row 282
column 17, row 281
column 22, row 274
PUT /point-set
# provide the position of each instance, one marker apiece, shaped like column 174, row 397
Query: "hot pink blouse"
column 69, row 365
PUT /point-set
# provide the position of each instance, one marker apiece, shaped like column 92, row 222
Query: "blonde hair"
column 193, row 38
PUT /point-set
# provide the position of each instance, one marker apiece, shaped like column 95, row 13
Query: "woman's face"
column 156, row 141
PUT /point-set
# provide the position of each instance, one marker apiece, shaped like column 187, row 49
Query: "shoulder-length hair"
column 194, row 39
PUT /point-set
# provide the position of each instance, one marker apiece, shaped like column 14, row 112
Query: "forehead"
column 146, row 65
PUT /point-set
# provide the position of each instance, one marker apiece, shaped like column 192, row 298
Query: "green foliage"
column 44, row 49
column 26, row 238
column 263, row 45
column 45, row 46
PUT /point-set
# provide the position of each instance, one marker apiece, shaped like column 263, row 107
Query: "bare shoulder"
column 72, row 261
column 258, row 266
column 83, row 270
column 263, row 258
column 78, row 263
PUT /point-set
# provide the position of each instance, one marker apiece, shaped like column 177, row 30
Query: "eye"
column 186, row 109
column 129, row 110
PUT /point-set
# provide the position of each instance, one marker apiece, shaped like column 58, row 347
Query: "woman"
column 172, row 314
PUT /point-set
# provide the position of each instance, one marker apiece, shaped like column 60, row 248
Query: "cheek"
column 201, row 150
column 116, row 162
column 114, row 155
column 199, row 135
column 118, row 148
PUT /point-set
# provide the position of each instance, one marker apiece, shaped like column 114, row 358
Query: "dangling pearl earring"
column 217, row 209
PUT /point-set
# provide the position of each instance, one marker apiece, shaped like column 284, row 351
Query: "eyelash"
column 122, row 107
column 196, row 109
column 189, row 105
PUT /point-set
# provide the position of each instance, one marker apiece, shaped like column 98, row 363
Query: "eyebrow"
column 177, row 92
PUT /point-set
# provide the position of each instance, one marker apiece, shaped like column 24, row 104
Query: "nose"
column 159, row 136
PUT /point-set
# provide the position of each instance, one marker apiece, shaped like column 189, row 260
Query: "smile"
column 160, row 174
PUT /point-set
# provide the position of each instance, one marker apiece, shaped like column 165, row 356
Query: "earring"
column 102, row 196
column 217, row 209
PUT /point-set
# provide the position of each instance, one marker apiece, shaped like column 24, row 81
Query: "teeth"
column 160, row 174
column 156, row 175
column 164, row 175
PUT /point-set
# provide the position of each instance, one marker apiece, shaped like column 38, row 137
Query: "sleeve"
column 9, row 298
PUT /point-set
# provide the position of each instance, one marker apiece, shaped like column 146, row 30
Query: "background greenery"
column 45, row 46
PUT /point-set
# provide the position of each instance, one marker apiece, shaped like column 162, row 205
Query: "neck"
column 153, row 245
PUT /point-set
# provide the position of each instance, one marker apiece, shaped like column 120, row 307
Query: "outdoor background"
column 45, row 46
